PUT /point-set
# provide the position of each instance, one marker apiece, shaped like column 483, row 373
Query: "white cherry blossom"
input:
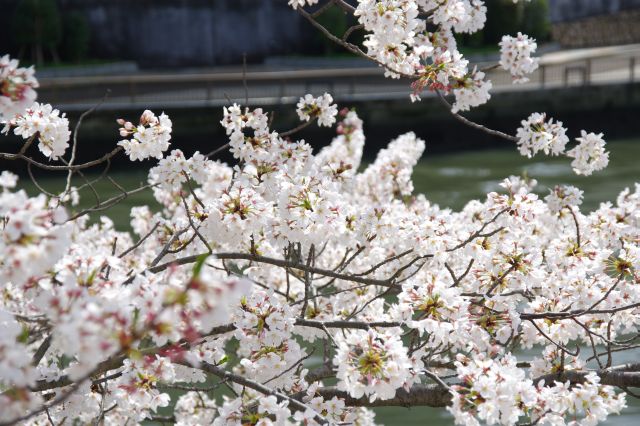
column 149, row 139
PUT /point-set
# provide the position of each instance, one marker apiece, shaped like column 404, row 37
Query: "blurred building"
column 580, row 23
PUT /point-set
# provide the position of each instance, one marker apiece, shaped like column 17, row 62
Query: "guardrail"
column 609, row 65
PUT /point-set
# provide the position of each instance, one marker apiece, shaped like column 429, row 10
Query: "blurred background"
column 185, row 57
column 160, row 34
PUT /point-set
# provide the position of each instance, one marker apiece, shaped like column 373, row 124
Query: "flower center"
column 370, row 363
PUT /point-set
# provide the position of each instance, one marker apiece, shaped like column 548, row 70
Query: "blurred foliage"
column 536, row 20
column 76, row 37
column 37, row 25
column 507, row 17
column 336, row 22
column 42, row 34
column 503, row 17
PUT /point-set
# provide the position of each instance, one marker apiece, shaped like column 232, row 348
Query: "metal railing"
column 613, row 65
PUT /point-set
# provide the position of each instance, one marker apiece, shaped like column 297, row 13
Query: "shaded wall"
column 571, row 10
column 585, row 23
column 171, row 33
column 603, row 30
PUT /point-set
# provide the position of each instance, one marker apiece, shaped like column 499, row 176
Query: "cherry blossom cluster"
column 471, row 91
column 149, row 139
column 415, row 39
column 263, row 329
column 515, row 56
column 45, row 123
column 497, row 392
column 589, row 155
column 17, row 88
column 247, row 126
column 27, row 118
column 33, row 238
column 321, row 108
column 312, row 287
column 292, row 248
column 539, row 133
column 372, row 364
column 563, row 196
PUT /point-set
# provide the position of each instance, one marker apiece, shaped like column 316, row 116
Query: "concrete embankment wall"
column 580, row 23
column 613, row 110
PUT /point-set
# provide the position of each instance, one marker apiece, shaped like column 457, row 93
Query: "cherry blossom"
column 539, row 133
column 589, row 155
column 563, row 196
column 47, row 124
column 17, row 88
column 150, row 138
column 515, row 56
column 298, row 3
column 321, row 108
column 307, row 285
column 371, row 364
column 8, row 180
column 471, row 91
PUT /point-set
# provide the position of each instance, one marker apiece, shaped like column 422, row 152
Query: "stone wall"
column 619, row 28
column 167, row 33
column 571, row 10
column 192, row 32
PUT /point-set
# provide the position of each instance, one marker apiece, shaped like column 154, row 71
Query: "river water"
column 452, row 180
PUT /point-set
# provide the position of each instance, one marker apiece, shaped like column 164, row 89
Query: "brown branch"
column 385, row 261
column 575, row 220
column 322, row 9
column 607, row 377
column 18, row 156
column 74, row 146
column 558, row 345
column 299, row 127
column 218, row 150
column 28, row 143
column 243, row 381
column 350, row 31
column 140, row 241
column 577, row 313
column 42, row 350
column 345, row 6
column 418, row 395
column 473, row 124
column 275, row 262
column 111, row 201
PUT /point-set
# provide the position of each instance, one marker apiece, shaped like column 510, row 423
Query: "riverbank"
column 612, row 110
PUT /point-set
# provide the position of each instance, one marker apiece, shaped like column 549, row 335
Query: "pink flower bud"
column 147, row 117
